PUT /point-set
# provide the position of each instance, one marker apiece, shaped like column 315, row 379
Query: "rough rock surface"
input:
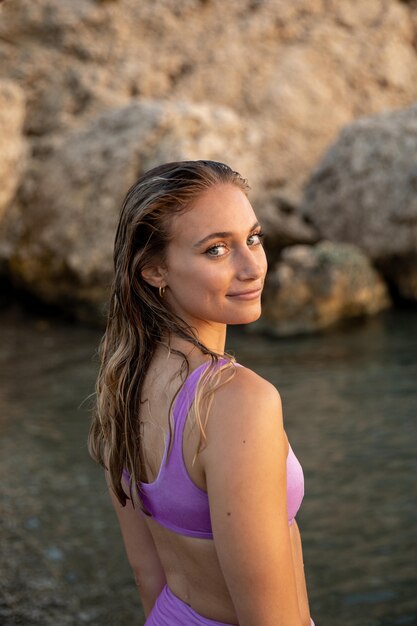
column 364, row 191
column 294, row 73
column 12, row 142
column 298, row 70
column 62, row 247
column 283, row 223
column 313, row 287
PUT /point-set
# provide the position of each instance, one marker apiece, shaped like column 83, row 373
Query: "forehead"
column 223, row 207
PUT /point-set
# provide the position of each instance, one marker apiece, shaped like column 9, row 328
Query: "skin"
column 252, row 573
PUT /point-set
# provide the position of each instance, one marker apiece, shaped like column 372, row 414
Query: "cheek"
column 214, row 274
column 198, row 275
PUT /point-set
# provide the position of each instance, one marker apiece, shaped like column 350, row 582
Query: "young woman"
column 200, row 471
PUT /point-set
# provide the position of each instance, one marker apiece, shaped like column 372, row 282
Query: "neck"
column 214, row 338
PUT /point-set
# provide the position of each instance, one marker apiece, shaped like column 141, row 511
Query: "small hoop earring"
column 162, row 291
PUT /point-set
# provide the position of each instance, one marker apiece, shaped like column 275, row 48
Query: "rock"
column 60, row 53
column 280, row 69
column 62, row 232
column 364, row 191
column 282, row 65
column 314, row 287
column 12, row 143
column 283, row 224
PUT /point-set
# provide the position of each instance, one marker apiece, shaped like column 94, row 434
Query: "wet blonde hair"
column 138, row 319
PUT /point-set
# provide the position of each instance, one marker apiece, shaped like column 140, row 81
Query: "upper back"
column 173, row 498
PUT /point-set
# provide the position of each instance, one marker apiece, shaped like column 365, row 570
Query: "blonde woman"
column 201, row 474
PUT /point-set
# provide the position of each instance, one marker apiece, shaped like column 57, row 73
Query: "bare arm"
column 141, row 552
column 245, row 466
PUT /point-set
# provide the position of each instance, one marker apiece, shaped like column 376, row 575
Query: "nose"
column 252, row 263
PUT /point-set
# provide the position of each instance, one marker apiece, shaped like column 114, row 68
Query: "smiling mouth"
column 246, row 295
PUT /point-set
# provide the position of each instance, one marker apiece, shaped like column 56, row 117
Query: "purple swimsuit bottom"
column 174, row 501
column 169, row 610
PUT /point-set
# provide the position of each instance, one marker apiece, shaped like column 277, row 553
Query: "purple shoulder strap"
column 184, row 400
column 183, row 403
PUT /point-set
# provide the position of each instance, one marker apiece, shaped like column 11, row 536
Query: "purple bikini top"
column 175, row 501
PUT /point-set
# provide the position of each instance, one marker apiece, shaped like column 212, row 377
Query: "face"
column 216, row 264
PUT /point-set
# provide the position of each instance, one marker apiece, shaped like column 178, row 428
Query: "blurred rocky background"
column 311, row 100
column 315, row 102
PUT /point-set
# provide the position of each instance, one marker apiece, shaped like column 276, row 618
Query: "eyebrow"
column 222, row 234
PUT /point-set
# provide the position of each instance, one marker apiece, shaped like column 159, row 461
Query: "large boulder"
column 283, row 223
column 282, row 67
column 60, row 235
column 298, row 70
column 314, row 287
column 12, row 142
column 364, row 191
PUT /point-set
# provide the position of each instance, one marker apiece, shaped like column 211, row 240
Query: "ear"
column 154, row 275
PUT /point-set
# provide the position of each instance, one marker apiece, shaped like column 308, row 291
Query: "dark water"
column 350, row 408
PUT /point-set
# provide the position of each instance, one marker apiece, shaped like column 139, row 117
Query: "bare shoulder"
column 246, row 378
column 247, row 393
column 246, row 408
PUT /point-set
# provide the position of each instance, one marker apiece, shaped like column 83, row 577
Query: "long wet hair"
column 138, row 319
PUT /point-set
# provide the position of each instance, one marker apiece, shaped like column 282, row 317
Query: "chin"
column 245, row 318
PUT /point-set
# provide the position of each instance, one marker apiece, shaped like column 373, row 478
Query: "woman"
column 200, row 471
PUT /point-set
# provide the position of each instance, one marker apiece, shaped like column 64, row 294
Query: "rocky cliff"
column 92, row 93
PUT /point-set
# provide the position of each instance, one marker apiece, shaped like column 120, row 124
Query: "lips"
column 249, row 294
column 245, row 293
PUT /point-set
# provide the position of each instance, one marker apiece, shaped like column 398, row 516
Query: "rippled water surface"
column 350, row 409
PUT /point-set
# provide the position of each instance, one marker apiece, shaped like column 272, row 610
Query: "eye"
column 214, row 250
column 259, row 235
